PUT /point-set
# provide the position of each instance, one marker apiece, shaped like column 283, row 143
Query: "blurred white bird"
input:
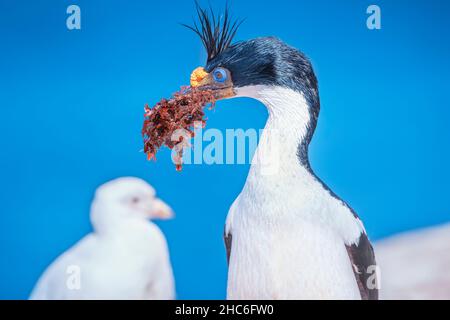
column 126, row 257
column 416, row 265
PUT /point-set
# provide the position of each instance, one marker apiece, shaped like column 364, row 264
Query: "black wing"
column 228, row 239
column 362, row 258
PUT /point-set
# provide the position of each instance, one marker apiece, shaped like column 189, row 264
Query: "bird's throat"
column 283, row 146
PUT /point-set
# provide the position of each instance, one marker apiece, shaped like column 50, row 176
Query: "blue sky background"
column 71, row 113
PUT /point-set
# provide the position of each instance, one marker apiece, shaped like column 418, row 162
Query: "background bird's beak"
column 204, row 81
column 160, row 210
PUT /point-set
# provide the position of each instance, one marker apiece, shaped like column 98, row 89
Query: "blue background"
column 71, row 113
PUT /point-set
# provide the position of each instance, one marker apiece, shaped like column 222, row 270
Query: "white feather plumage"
column 126, row 257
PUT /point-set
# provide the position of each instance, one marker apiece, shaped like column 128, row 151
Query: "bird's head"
column 127, row 198
column 232, row 68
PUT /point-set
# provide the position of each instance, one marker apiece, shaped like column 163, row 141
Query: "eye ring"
column 135, row 200
column 220, row 75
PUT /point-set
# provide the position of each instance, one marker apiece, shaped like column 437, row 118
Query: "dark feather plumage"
column 215, row 32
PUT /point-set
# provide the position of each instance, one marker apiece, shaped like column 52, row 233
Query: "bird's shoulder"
column 82, row 250
column 52, row 283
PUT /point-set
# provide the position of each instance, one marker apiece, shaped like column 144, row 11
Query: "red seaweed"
column 182, row 111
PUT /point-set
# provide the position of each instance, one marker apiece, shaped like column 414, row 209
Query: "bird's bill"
column 204, row 81
column 161, row 210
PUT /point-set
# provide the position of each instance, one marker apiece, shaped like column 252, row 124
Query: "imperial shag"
column 288, row 236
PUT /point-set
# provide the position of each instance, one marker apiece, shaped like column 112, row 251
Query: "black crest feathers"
column 216, row 32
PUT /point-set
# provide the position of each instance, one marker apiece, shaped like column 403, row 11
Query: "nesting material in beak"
column 169, row 122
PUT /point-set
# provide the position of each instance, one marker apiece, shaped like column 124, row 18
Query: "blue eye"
column 220, row 75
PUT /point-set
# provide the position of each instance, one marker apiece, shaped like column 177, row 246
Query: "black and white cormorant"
column 288, row 236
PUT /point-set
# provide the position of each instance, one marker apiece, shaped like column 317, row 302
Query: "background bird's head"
column 126, row 199
column 232, row 68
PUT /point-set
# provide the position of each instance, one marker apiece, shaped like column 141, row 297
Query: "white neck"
column 286, row 128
